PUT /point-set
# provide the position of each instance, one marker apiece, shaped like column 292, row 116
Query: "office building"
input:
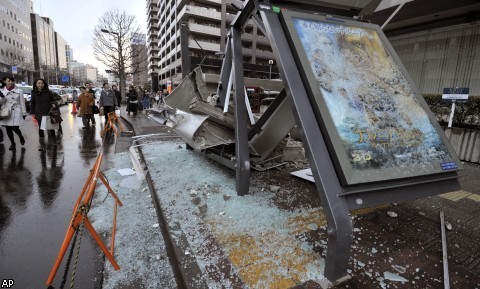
column 152, row 43
column 44, row 49
column 61, row 51
column 139, row 59
column 205, row 31
column 16, row 49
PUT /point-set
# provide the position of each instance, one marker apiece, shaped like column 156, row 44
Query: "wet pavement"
column 37, row 193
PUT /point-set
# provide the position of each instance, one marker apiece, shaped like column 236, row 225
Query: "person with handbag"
column 15, row 103
column 85, row 103
column 132, row 105
column 40, row 105
column 2, row 102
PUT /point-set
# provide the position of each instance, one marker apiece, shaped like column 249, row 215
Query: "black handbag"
column 95, row 109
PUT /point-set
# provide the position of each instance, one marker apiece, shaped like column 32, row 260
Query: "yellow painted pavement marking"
column 274, row 259
column 474, row 197
column 369, row 210
column 456, row 196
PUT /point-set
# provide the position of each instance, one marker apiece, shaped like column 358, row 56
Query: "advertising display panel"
column 373, row 118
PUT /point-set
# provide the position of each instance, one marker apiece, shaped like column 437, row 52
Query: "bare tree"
column 112, row 44
column 16, row 57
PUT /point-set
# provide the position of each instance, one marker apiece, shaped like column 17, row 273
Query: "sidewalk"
column 275, row 237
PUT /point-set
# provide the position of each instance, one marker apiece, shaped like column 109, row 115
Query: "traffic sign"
column 455, row 94
column 14, row 70
column 65, row 78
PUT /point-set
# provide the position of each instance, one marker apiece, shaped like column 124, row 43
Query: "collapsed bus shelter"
column 369, row 135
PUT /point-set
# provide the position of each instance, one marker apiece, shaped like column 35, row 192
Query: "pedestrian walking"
column 15, row 102
column 89, row 87
column 158, row 96
column 139, row 92
column 2, row 102
column 118, row 95
column 152, row 98
column 146, row 101
column 85, row 103
column 41, row 104
column 107, row 100
column 132, row 101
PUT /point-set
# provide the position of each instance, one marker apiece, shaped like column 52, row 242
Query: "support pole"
column 99, row 241
column 450, row 120
column 241, row 132
column 225, row 75
column 226, row 99
column 393, row 15
column 446, row 280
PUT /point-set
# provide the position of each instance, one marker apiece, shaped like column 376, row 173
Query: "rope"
column 77, row 253
column 69, row 259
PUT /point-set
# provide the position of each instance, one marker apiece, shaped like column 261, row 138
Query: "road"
column 37, row 194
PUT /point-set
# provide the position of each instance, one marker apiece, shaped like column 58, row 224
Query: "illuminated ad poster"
column 375, row 124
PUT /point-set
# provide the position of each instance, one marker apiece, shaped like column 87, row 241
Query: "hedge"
column 467, row 114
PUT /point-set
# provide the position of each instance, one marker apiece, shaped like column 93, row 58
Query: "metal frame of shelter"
column 337, row 198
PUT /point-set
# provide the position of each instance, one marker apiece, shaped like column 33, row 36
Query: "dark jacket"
column 41, row 103
column 132, row 95
column 118, row 95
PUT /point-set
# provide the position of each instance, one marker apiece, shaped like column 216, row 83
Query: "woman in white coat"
column 16, row 102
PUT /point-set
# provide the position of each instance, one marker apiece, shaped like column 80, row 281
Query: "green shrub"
column 466, row 115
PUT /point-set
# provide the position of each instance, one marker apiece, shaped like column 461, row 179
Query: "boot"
column 42, row 144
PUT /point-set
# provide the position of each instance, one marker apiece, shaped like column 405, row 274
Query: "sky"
column 75, row 21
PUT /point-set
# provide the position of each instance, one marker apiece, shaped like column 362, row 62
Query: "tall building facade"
column 152, row 43
column 203, row 25
column 61, row 51
column 91, row 73
column 16, row 48
column 78, row 73
column 44, row 49
column 81, row 73
column 139, row 59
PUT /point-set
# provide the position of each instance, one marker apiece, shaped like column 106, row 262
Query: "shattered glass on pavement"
column 139, row 246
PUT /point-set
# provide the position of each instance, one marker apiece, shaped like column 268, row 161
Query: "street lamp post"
column 121, row 72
